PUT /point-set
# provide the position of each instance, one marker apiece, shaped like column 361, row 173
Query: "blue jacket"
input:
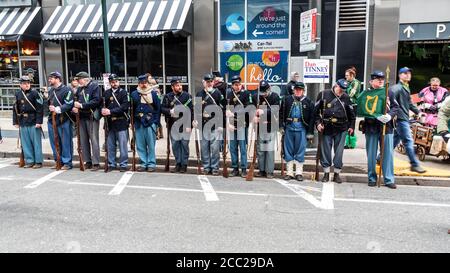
column 25, row 114
column 307, row 107
column 90, row 99
column 118, row 121
column 62, row 95
column 144, row 114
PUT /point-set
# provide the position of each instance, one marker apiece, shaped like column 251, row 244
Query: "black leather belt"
column 117, row 118
column 334, row 120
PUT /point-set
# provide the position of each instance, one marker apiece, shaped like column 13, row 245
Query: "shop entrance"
column 427, row 59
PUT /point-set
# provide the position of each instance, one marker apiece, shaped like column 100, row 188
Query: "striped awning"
column 138, row 19
column 15, row 22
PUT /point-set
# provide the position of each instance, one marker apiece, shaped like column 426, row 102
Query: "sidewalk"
column 355, row 160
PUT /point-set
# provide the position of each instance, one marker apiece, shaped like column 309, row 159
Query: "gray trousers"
column 266, row 152
column 336, row 141
column 89, row 134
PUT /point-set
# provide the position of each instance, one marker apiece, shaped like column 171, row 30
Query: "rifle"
column 106, row 140
column 22, row 157
column 197, row 150
column 251, row 171
column 319, row 144
column 167, row 167
column 56, row 139
column 79, row 149
column 225, row 131
column 283, row 165
column 133, row 140
column 383, row 134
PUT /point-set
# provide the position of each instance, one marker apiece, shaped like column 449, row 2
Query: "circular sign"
column 235, row 24
column 228, row 46
column 255, row 74
column 271, row 58
column 235, row 62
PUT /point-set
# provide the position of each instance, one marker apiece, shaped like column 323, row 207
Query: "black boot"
column 337, row 178
column 288, row 177
column 235, row 172
column 326, row 177
column 183, row 169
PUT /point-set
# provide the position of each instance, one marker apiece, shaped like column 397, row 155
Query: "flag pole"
column 383, row 134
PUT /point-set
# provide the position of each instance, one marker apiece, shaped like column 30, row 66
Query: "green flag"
column 371, row 103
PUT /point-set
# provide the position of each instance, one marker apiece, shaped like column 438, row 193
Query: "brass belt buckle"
column 334, row 120
column 141, row 115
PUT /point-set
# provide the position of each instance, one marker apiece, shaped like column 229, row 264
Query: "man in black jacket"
column 28, row 114
column 335, row 117
column 88, row 103
column 297, row 120
column 116, row 111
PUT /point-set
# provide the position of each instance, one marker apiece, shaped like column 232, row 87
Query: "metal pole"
column 106, row 37
column 314, row 88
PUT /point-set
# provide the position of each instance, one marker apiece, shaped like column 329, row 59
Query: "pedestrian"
column 74, row 85
column 1, row 138
column 402, row 132
column 238, row 119
column 288, row 90
column 88, row 104
column 212, row 102
column 444, row 120
column 28, row 114
column 177, row 106
column 219, row 83
column 61, row 102
column 335, row 117
column 432, row 98
column 267, row 117
column 116, row 111
column 373, row 130
column 353, row 90
column 297, row 121
column 147, row 114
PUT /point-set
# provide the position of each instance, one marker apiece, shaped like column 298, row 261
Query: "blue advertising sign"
column 232, row 20
column 268, row 19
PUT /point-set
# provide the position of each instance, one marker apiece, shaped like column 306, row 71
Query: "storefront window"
column 29, row 48
column 176, row 51
column 76, row 57
column 97, row 58
column 9, row 63
column 144, row 55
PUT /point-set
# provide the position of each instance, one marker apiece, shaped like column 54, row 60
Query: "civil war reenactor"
column 268, row 106
column 175, row 107
column 220, row 83
column 28, row 114
column 297, row 123
column 60, row 101
column 335, row 117
column 238, row 122
column 211, row 136
column 373, row 130
column 87, row 103
column 147, row 114
column 288, row 90
column 116, row 110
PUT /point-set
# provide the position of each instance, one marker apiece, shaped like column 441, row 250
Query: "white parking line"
column 120, row 186
column 393, row 202
column 296, row 189
column 42, row 180
column 328, row 196
column 208, row 190
column 5, row 163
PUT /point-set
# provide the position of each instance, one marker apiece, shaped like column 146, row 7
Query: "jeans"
column 334, row 142
column 210, row 150
column 65, row 142
column 238, row 142
column 31, row 139
column 180, row 150
column 403, row 133
column 122, row 138
column 145, row 145
column 372, row 141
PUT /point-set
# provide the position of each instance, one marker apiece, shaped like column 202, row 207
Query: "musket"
column 383, row 133
column 106, row 140
column 283, row 166
column 79, row 149
column 251, row 171
column 167, row 167
column 56, row 138
column 197, row 150
column 22, row 157
column 133, row 140
column 319, row 147
column 225, row 132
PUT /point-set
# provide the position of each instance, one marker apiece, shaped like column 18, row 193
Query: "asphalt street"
column 47, row 211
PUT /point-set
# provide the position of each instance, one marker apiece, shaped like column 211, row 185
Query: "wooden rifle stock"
column 22, row 157
column 197, row 150
column 79, row 149
column 106, row 140
column 133, row 139
column 167, row 167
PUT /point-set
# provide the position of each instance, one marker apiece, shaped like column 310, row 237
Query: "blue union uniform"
column 147, row 115
column 28, row 111
column 297, row 116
